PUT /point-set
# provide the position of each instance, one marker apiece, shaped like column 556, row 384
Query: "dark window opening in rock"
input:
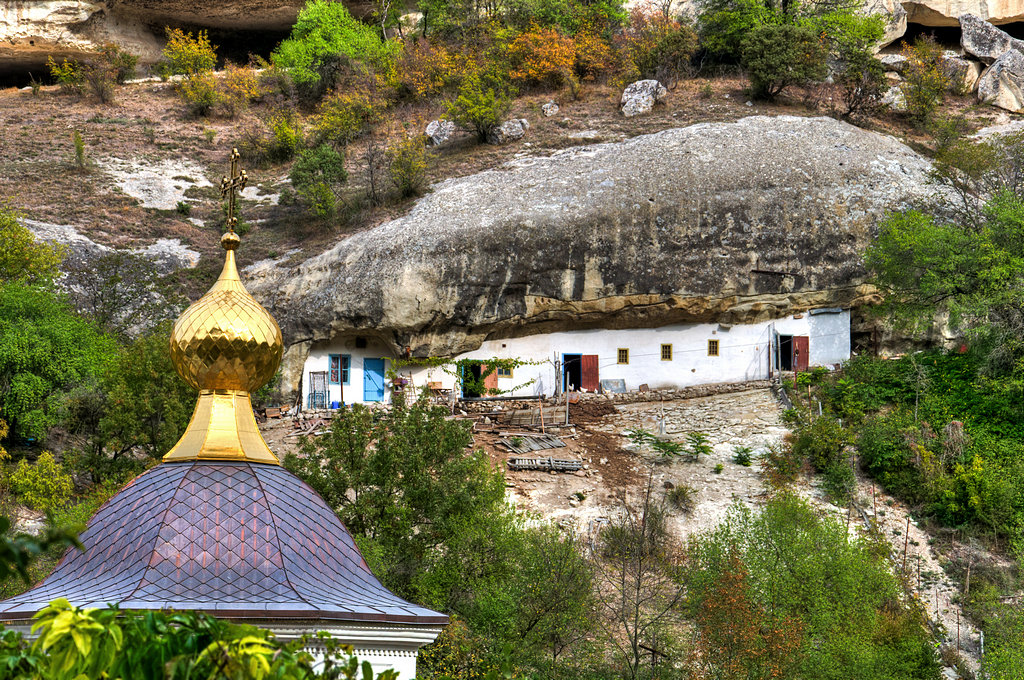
column 786, row 352
column 572, row 371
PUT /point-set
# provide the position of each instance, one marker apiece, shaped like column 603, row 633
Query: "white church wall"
column 742, row 355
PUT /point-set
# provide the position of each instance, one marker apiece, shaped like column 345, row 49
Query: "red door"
column 801, row 354
column 490, row 380
column 591, row 379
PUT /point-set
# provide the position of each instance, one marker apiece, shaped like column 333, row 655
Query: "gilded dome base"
column 222, row 428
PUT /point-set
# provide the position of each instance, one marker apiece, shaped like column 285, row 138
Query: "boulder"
column 509, row 131
column 729, row 222
column 963, row 73
column 440, row 131
column 1002, row 83
column 981, row 39
column 549, row 109
column 896, row 63
column 895, row 99
column 893, row 15
column 640, row 97
column 947, row 12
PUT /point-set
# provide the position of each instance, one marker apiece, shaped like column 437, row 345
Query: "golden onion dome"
column 225, row 345
column 226, row 340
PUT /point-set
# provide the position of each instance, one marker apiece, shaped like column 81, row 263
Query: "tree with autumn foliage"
column 786, row 593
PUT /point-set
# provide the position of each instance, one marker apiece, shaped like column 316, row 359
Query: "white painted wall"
column 743, row 354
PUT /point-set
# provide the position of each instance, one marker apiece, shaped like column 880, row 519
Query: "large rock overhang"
column 734, row 222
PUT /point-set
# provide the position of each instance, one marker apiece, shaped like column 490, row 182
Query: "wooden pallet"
column 553, row 415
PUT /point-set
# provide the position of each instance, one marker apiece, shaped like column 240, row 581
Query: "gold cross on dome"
column 230, row 185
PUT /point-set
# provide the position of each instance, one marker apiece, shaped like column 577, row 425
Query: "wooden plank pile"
column 527, row 443
column 552, row 415
column 555, row 464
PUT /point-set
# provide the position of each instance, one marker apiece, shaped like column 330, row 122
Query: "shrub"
column 682, row 498
column 344, row 117
column 925, row 78
column 189, row 55
column 100, row 78
column 697, row 445
column 777, row 56
column 886, row 455
column 542, row 57
column 43, row 485
column 840, row 481
column 654, row 46
column 318, row 175
column 239, row 85
column 68, row 74
column 324, row 38
column 121, row 62
column 200, row 93
column 277, row 139
column 594, row 54
column 780, row 465
column 742, row 455
column 407, row 165
column 860, row 81
column 80, row 160
column 822, row 442
column 480, row 106
column 427, row 69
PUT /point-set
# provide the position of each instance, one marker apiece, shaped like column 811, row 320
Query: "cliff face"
column 733, row 222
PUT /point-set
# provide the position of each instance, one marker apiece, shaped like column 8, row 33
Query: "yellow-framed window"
column 712, row 348
column 666, row 352
column 623, row 356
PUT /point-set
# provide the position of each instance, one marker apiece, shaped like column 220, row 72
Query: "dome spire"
column 225, row 345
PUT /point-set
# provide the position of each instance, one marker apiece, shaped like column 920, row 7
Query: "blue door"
column 373, row 380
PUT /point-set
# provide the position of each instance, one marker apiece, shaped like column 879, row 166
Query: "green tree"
column 139, row 404
column 45, row 350
column 806, row 579
column 326, row 38
column 22, row 258
column 481, row 104
column 777, row 56
column 319, row 175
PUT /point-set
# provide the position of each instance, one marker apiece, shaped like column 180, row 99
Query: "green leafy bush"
column 861, row 80
column 68, row 75
column 327, row 37
column 23, row 259
column 200, row 93
column 407, row 165
column 654, row 46
column 682, row 498
column 343, row 117
column 43, row 485
column 822, row 442
column 277, row 138
column 481, row 105
column 926, row 78
column 883, row 446
column 122, row 62
column 777, row 56
column 318, row 176
column 742, row 455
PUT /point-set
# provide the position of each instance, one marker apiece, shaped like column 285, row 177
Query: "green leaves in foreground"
column 75, row 643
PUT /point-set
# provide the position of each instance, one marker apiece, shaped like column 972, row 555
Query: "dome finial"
column 225, row 345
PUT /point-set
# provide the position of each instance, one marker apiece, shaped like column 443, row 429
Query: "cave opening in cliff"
column 947, row 36
column 22, row 73
column 238, row 46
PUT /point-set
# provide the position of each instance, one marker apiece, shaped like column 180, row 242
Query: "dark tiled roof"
column 235, row 539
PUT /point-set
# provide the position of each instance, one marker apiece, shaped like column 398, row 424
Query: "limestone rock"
column 895, row 99
column 640, row 97
column 946, row 12
column 964, row 73
column 894, row 16
column 440, row 131
column 1002, row 83
column 983, row 40
column 896, row 63
column 509, row 131
column 549, row 109
column 583, row 239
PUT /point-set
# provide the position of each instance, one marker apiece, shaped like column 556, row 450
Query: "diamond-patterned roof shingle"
column 234, row 539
